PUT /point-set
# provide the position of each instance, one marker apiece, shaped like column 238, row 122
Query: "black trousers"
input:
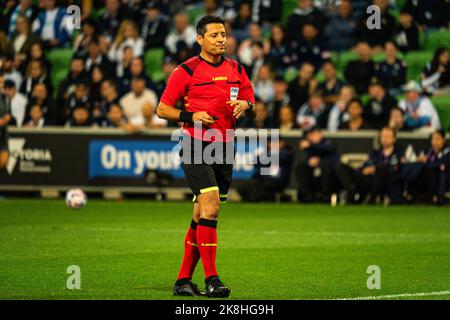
column 309, row 185
column 260, row 189
column 386, row 180
column 425, row 179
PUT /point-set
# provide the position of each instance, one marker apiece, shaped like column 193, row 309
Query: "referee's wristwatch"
column 250, row 104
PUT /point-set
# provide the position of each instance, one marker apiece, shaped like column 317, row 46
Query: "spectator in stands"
column 332, row 85
column 24, row 8
column 286, row 118
column 359, row 72
column 356, row 121
column 321, row 158
column 340, row 31
column 231, row 48
column 134, row 102
column 256, row 60
column 263, row 186
column 419, row 111
column 127, row 37
column 407, row 33
column 397, row 120
column 21, row 41
column 280, row 53
column 79, row 98
column 309, row 47
column 112, row 17
column 377, row 37
column 261, row 119
column 436, row 75
column 263, row 84
column 266, row 12
column 88, row 34
column 429, row 14
column 338, row 112
column 47, row 105
column 10, row 72
column 392, row 71
column 151, row 120
column 154, row 27
column 304, row 13
column 247, row 52
column 76, row 72
column 109, row 96
column 95, row 58
column 135, row 69
column 431, row 173
column 169, row 65
column 182, row 38
column 96, row 79
column 18, row 103
column 115, row 118
column 378, row 108
column 36, row 117
column 380, row 175
column 314, row 113
column 241, row 23
column 35, row 74
column 280, row 99
column 36, row 52
column 301, row 88
column 52, row 25
column 80, row 117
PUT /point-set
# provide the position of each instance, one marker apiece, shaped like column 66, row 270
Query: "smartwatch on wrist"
column 250, row 104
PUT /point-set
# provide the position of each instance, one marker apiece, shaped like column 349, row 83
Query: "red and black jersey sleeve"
column 246, row 89
column 176, row 86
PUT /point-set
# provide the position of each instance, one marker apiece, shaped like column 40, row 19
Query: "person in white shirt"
column 183, row 32
column 139, row 102
column 18, row 102
column 127, row 36
column 419, row 111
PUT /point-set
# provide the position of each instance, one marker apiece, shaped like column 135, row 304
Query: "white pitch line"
column 402, row 295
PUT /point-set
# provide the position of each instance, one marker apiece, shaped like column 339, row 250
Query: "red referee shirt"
column 207, row 87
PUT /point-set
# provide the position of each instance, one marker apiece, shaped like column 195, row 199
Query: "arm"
column 246, row 98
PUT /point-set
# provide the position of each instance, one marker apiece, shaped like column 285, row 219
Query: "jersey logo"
column 221, row 78
column 234, row 93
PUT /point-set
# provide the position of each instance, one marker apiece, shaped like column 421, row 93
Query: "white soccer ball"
column 76, row 198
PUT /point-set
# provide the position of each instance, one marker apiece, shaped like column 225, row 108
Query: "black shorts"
column 3, row 140
column 206, row 176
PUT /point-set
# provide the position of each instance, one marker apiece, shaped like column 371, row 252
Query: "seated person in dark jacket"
column 263, row 186
column 431, row 173
column 359, row 72
column 356, row 121
column 377, row 109
column 380, row 175
column 316, row 173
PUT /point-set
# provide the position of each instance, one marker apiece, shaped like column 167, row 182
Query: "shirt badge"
column 234, row 93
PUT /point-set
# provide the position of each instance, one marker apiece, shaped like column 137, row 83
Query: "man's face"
column 286, row 115
column 437, row 141
column 315, row 136
column 112, row 5
column 306, row 71
column 304, row 4
column 80, row 91
column 36, row 113
column 397, row 118
column 77, row 66
column 10, row 92
column 93, row 49
column 387, row 138
column 138, row 86
column 329, row 71
column 345, row 9
column 136, row 67
column 364, row 51
column 40, row 91
column 315, row 102
column 80, row 115
column 181, row 22
column 376, row 91
column 412, row 96
column 214, row 40
column 355, row 110
column 115, row 113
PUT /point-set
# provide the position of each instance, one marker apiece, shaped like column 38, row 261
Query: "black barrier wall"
column 97, row 158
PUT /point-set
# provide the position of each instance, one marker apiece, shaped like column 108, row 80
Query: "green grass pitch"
column 133, row 249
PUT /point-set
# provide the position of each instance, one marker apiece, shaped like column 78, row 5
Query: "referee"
column 5, row 117
column 216, row 92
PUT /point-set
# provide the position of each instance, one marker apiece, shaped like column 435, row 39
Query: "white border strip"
column 402, row 295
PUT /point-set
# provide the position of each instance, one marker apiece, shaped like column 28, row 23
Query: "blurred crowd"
column 107, row 84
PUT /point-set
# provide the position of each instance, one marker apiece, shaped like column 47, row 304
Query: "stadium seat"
column 290, row 74
column 153, row 60
column 442, row 105
column 345, row 58
column 57, row 77
column 417, row 61
column 288, row 7
column 60, row 58
column 436, row 39
column 194, row 13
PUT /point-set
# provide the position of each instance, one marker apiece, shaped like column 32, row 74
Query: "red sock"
column 207, row 244
column 191, row 253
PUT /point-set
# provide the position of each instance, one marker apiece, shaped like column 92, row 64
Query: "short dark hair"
column 201, row 25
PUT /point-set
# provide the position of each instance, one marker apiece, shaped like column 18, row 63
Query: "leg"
column 304, row 180
column 4, row 156
column 379, row 180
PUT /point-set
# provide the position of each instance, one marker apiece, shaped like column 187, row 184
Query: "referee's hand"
column 203, row 117
column 240, row 106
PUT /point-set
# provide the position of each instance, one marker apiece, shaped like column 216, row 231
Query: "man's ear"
column 200, row 40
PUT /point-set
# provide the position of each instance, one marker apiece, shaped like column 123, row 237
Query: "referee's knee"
column 209, row 209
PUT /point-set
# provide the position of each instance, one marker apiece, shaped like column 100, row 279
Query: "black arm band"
column 186, row 116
